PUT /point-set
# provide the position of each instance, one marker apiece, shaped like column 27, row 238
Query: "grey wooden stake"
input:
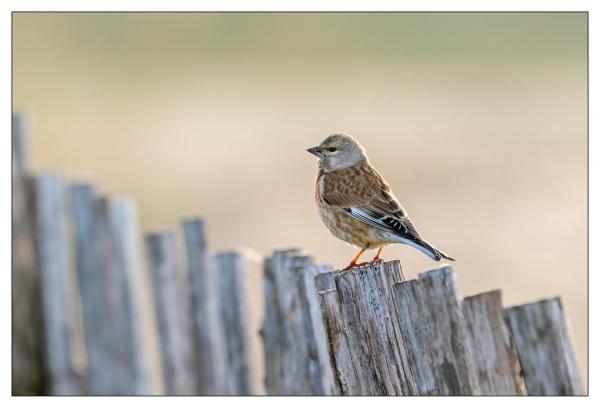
column 53, row 249
column 241, row 369
column 124, row 232
column 209, row 347
column 494, row 356
column 438, row 330
column 179, row 372
column 325, row 281
column 102, row 284
column 543, row 342
column 346, row 380
column 28, row 360
column 319, row 364
column 411, row 311
column 378, row 355
column 296, row 358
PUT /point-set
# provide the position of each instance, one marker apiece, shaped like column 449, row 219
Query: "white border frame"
column 7, row 6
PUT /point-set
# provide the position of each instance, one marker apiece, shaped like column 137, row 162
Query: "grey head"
column 338, row 151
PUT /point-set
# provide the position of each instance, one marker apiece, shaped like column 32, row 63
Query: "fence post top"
column 443, row 271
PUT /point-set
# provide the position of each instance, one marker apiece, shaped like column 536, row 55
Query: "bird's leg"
column 354, row 263
column 377, row 259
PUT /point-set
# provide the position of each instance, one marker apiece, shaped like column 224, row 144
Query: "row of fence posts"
column 389, row 336
column 78, row 254
column 80, row 299
column 199, row 300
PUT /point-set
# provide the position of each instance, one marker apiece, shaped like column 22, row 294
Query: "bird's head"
column 338, row 151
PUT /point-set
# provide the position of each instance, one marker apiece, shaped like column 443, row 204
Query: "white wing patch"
column 390, row 224
column 379, row 220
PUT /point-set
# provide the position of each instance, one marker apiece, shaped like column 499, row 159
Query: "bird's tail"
column 432, row 251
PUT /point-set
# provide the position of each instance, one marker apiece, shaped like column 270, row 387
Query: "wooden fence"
column 79, row 267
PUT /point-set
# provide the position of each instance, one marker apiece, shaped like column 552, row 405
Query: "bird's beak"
column 315, row 150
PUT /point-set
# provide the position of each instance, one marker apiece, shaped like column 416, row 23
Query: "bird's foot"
column 376, row 261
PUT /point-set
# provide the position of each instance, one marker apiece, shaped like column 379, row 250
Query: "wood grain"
column 103, row 288
column 496, row 362
column 124, row 232
column 296, row 359
column 543, row 342
column 211, row 358
column 241, row 365
column 179, row 374
column 58, row 297
column 372, row 332
column 446, row 333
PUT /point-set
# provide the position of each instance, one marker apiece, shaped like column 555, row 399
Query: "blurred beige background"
column 478, row 122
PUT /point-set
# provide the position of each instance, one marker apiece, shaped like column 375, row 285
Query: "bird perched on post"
column 357, row 205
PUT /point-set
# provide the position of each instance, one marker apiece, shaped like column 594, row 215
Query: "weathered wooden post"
column 346, row 380
column 172, row 312
column 103, row 286
column 543, row 342
column 28, row 360
column 496, row 363
column 433, row 328
column 58, row 298
column 124, row 231
column 241, row 369
column 393, row 337
column 209, row 345
column 297, row 362
column 365, row 342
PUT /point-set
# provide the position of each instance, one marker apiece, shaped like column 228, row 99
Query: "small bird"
column 357, row 205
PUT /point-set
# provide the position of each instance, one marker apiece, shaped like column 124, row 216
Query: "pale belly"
column 351, row 230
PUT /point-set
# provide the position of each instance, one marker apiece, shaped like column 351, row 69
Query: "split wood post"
column 496, row 363
column 324, row 279
column 296, row 358
column 411, row 311
column 124, row 231
column 319, row 364
column 241, row 368
column 28, row 360
column 58, row 297
column 435, row 332
column 377, row 364
column 543, row 342
column 211, row 360
column 172, row 314
column 103, row 286
column 346, row 379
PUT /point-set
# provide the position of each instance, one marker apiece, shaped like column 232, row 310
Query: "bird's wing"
column 365, row 195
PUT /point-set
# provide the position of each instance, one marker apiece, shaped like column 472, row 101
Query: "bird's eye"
column 332, row 149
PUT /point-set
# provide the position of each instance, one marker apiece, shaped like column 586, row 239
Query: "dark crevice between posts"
column 29, row 371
